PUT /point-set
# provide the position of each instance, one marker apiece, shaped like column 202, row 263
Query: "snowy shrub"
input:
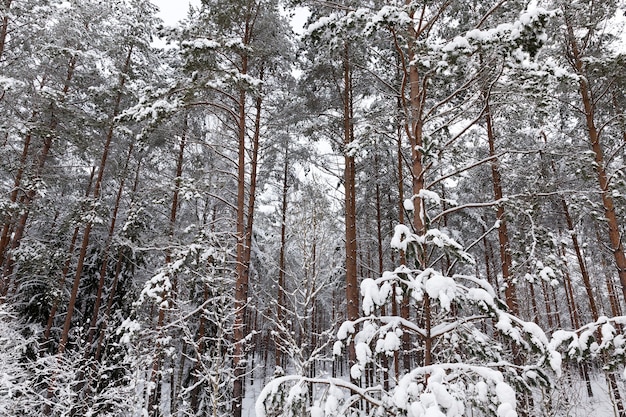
column 468, row 353
column 603, row 339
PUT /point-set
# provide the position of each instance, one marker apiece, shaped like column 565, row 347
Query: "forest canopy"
column 409, row 208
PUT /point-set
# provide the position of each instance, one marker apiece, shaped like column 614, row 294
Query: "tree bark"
column 242, row 267
column 30, row 195
column 593, row 132
column 503, row 235
column 66, row 268
column 96, row 196
column 156, row 362
column 280, row 296
column 581, row 262
column 105, row 254
column 352, row 289
column 4, row 26
column 118, row 271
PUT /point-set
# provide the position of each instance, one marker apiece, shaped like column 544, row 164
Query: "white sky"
column 172, row 11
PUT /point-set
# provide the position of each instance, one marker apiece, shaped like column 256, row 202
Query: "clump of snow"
column 335, row 395
column 504, row 33
column 363, row 353
column 547, row 274
column 370, row 296
column 388, row 344
column 441, row 288
column 555, row 361
column 316, row 411
column 481, row 296
column 346, row 328
column 402, row 236
column 127, row 329
column 506, row 396
column 459, row 42
column 337, row 348
column 201, row 43
column 320, row 23
column 157, row 288
column 408, row 204
column 427, row 195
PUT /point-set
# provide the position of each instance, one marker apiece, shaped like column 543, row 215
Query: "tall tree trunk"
column 4, row 238
column 379, row 246
column 118, row 271
column 241, row 267
column 66, row 268
column 510, row 294
column 575, row 319
column 503, row 235
column 30, row 195
column 569, row 291
column 352, row 289
column 593, row 132
column 577, row 61
column 581, row 262
column 105, row 254
column 155, row 378
column 280, row 297
column 247, row 325
column 96, row 196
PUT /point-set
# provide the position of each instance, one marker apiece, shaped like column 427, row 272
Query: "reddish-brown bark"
column 96, row 194
column 503, row 235
column 577, row 60
column 352, row 289
column 105, row 255
column 241, row 267
column 27, row 199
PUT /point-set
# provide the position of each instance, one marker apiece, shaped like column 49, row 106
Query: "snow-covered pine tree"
column 470, row 331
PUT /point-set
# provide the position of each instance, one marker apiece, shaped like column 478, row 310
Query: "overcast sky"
column 173, row 10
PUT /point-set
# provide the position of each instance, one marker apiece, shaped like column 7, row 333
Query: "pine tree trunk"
column 569, row 291
column 155, row 378
column 503, row 235
column 66, row 268
column 4, row 26
column 581, row 262
column 96, row 196
column 105, row 254
column 352, row 289
column 118, row 271
column 280, row 297
column 594, row 139
column 241, row 268
column 379, row 246
column 414, row 109
column 404, row 308
column 4, row 238
column 30, row 195
column 200, row 343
